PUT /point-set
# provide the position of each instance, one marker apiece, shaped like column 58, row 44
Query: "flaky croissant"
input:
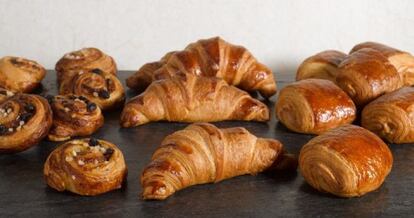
column 20, row 75
column 401, row 60
column 73, row 115
column 212, row 57
column 24, row 121
column 323, row 65
column 391, row 116
column 98, row 86
column 190, row 98
column 367, row 74
column 85, row 167
column 203, row 153
column 314, row 106
column 348, row 161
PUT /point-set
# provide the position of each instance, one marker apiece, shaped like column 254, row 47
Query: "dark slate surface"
column 24, row 193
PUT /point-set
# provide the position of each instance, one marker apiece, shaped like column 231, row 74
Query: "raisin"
column 108, row 153
column 104, row 94
column 91, row 106
column 93, row 142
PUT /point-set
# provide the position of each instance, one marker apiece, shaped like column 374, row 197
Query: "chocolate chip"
column 91, row 106
column 25, row 117
column 108, row 153
column 97, row 71
column 29, row 108
column 3, row 129
column 103, row 94
column 93, row 142
column 50, row 98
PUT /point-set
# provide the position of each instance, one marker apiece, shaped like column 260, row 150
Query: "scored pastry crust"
column 211, row 57
column 348, row 161
column 190, row 98
column 85, row 167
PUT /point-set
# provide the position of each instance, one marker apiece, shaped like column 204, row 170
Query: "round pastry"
column 85, row 59
column 20, row 75
column 314, row 106
column 100, row 87
column 367, row 74
column 348, row 161
column 73, row 115
column 24, row 121
column 85, row 167
column 391, row 116
column 323, row 65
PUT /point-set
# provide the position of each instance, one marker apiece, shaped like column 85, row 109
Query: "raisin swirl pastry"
column 24, row 121
column 20, row 75
column 85, row 167
column 73, row 115
column 85, row 59
column 100, row 87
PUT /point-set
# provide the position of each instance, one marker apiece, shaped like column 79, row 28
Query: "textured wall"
column 280, row 33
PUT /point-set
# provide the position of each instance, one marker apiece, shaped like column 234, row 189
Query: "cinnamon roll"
column 73, row 115
column 20, row 75
column 85, row 167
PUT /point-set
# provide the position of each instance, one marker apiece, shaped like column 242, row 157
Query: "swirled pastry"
column 367, row 74
column 314, row 106
column 391, row 116
column 212, row 57
column 100, row 87
column 323, row 65
column 73, row 115
column 20, row 75
column 348, row 161
column 24, row 121
column 85, row 167
column 203, row 153
column 401, row 60
column 190, row 98
column 85, row 59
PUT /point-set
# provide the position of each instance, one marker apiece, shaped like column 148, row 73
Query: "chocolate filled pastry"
column 348, row 161
column 20, row 75
column 24, row 121
column 85, row 167
column 391, row 116
column 323, row 65
column 314, row 106
column 367, row 74
column 73, row 115
column 85, row 59
column 100, row 87
column 190, row 98
column 212, row 57
column 203, row 153
column 401, row 60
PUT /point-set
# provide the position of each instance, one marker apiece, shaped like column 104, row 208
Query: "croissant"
column 212, row 57
column 323, row 65
column 24, row 121
column 348, row 161
column 85, row 167
column 85, row 59
column 203, row 153
column 391, row 116
column 100, row 87
column 20, row 75
column 314, row 106
column 401, row 60
column 366, row 74
column 190, row 98
column 73, row 115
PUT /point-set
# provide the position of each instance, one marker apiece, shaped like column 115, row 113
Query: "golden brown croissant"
column 190, row 98
column 100, row 87
column 391, row 116
column 85, row 59
column 366, row 74
column 323, row 65
column 24, row 121
column 73, row 115
column 314, row 106
column 20, row 75
column 203, row 153
column 348, row 161
column 85, row 167
column 401, row 60
column 212, row 57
